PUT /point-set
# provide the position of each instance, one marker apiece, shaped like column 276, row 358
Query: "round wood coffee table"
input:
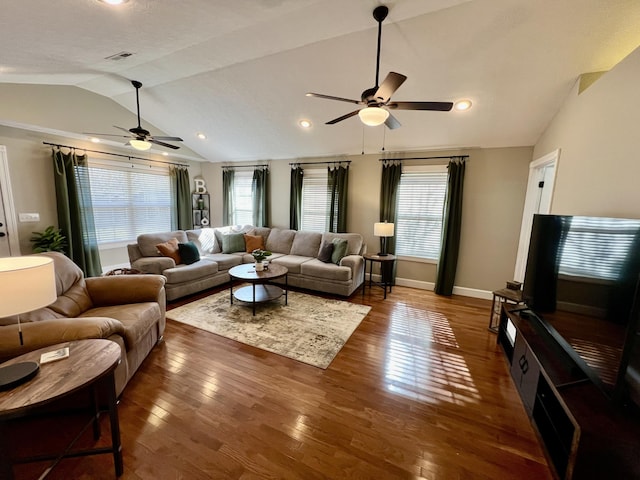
column 90, row 364
column 260, row 289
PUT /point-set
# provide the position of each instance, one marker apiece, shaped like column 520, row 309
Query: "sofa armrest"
column 356, row 264
column 56, row 330
column 154, row 265
column 123, row 289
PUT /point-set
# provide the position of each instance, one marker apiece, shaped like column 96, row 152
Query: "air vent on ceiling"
column 119, row 56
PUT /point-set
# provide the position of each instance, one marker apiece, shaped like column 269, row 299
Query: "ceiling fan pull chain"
column 384, row 137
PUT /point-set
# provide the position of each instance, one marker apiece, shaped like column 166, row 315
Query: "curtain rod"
column 422, row 158
column 245, row 166
column 321, row 163
column 116, row 154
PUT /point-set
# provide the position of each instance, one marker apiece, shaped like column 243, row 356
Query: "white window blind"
column 419, row 211
column 597, row 247
column 128, row 201
column 242, row 203
column 315, row 200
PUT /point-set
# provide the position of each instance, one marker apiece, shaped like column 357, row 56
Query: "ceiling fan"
column 141, row 139
column 378, row 99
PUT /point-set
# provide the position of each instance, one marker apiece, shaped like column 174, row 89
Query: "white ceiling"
column 238, row 70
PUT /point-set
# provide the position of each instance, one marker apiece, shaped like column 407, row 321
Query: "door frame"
column 530, row 207
column 9, row 206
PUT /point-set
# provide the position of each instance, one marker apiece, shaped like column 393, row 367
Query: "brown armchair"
column 128, row 309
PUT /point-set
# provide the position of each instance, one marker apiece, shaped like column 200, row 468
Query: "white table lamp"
column 384, row 230
column 27, row 283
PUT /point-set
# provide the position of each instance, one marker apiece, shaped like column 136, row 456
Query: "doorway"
column 9, row 244
column 542, row 177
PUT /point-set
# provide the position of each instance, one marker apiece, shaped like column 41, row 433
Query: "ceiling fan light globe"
column 140, row 144
column 373, row 116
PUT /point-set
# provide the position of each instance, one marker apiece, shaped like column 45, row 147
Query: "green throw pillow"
column 188, row 253
column 233, row 242
column 339, row 250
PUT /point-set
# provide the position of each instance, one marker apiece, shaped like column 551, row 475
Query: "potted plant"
column 50, row 240
column 260, row 256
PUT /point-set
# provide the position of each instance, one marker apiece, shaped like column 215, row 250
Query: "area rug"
column 309, row 329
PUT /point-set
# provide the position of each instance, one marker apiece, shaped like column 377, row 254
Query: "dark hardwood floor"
column 419, row 391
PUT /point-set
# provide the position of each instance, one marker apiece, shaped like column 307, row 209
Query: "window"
column 315, row 200
column 419, row 211
column 129, row 201
column 597, row 247
column 242, row 198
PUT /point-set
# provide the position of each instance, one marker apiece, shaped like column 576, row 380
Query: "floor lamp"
column 27, row 283
column 384, row 230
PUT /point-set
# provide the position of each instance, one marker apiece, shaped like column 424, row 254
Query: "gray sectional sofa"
column 296, row 250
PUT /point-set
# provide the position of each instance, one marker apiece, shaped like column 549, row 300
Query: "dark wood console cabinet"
column 584, row 434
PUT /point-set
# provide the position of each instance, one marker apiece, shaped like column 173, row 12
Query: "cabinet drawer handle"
column 524, row 364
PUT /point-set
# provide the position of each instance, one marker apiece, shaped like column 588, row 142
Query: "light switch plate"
column 29, row 217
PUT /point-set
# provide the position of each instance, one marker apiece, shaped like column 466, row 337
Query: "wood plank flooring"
column 420, row 391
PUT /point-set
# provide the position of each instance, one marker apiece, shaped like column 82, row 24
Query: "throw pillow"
column 339, row 250
column 325, row 252
column 233, row 242
column 170, row 249
column 253, row 242
column 188, row 253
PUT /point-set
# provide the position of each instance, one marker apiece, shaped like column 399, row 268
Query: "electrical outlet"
column 29, row 217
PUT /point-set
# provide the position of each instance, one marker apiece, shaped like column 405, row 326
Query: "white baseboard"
column 464, row 291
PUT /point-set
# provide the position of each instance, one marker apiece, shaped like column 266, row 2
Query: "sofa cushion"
column 233, row 242
column 324, row 255
column 224, row 260
column 148, row 241
column 185, row 273
column 188, row 253
column 137, row 319
column 292, row 262
column 253, row 242
column 306, row 244
column 204, row 239
column 280, row 240
column 170, row 249
column 326, row 271
column 354, row 240
column 340, row 246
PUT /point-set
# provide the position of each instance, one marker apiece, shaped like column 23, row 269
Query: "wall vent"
column 119, row 56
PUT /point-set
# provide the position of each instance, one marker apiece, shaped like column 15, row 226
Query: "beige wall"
column 495, row 185
column 597, row 133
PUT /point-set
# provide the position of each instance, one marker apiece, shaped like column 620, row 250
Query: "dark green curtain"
column 338, row 192
column 452, row 223
column 295, row 202
column 182, row 190
column 227, row 196
column 75, row 210
column 391, row 173
column 260, row 197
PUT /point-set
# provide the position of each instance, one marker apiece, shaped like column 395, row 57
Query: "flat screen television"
column 582, row 281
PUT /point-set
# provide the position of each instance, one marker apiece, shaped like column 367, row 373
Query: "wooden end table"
column 386, row 262
column 265, row 292
column 91, row 364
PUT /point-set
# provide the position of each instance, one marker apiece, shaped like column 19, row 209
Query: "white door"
column 9, row 245
column 542, row 176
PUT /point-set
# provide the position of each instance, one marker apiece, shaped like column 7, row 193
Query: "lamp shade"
column 27, row 283
column 373, row 116
column 140, row 144
column 383, row 229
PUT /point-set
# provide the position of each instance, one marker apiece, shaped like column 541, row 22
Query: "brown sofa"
column 128, row 309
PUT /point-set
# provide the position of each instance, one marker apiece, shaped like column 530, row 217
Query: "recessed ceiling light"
column 304, row 123
column 462, row 105
column 95, row 140
column 114, row 2
column 166, row 154
column 201, row 136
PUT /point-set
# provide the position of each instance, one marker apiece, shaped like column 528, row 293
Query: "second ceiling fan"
column 378, row 99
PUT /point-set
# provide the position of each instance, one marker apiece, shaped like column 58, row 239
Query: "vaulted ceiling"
column 238, row 71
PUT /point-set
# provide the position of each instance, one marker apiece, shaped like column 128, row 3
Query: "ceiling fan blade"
column 170, row 139
column 168, row 145
column 390, row 84
column 105, row 135
column 123, row 129
column 331, row 97
column 392, row 122
column 343, row 117
column 437, row 106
